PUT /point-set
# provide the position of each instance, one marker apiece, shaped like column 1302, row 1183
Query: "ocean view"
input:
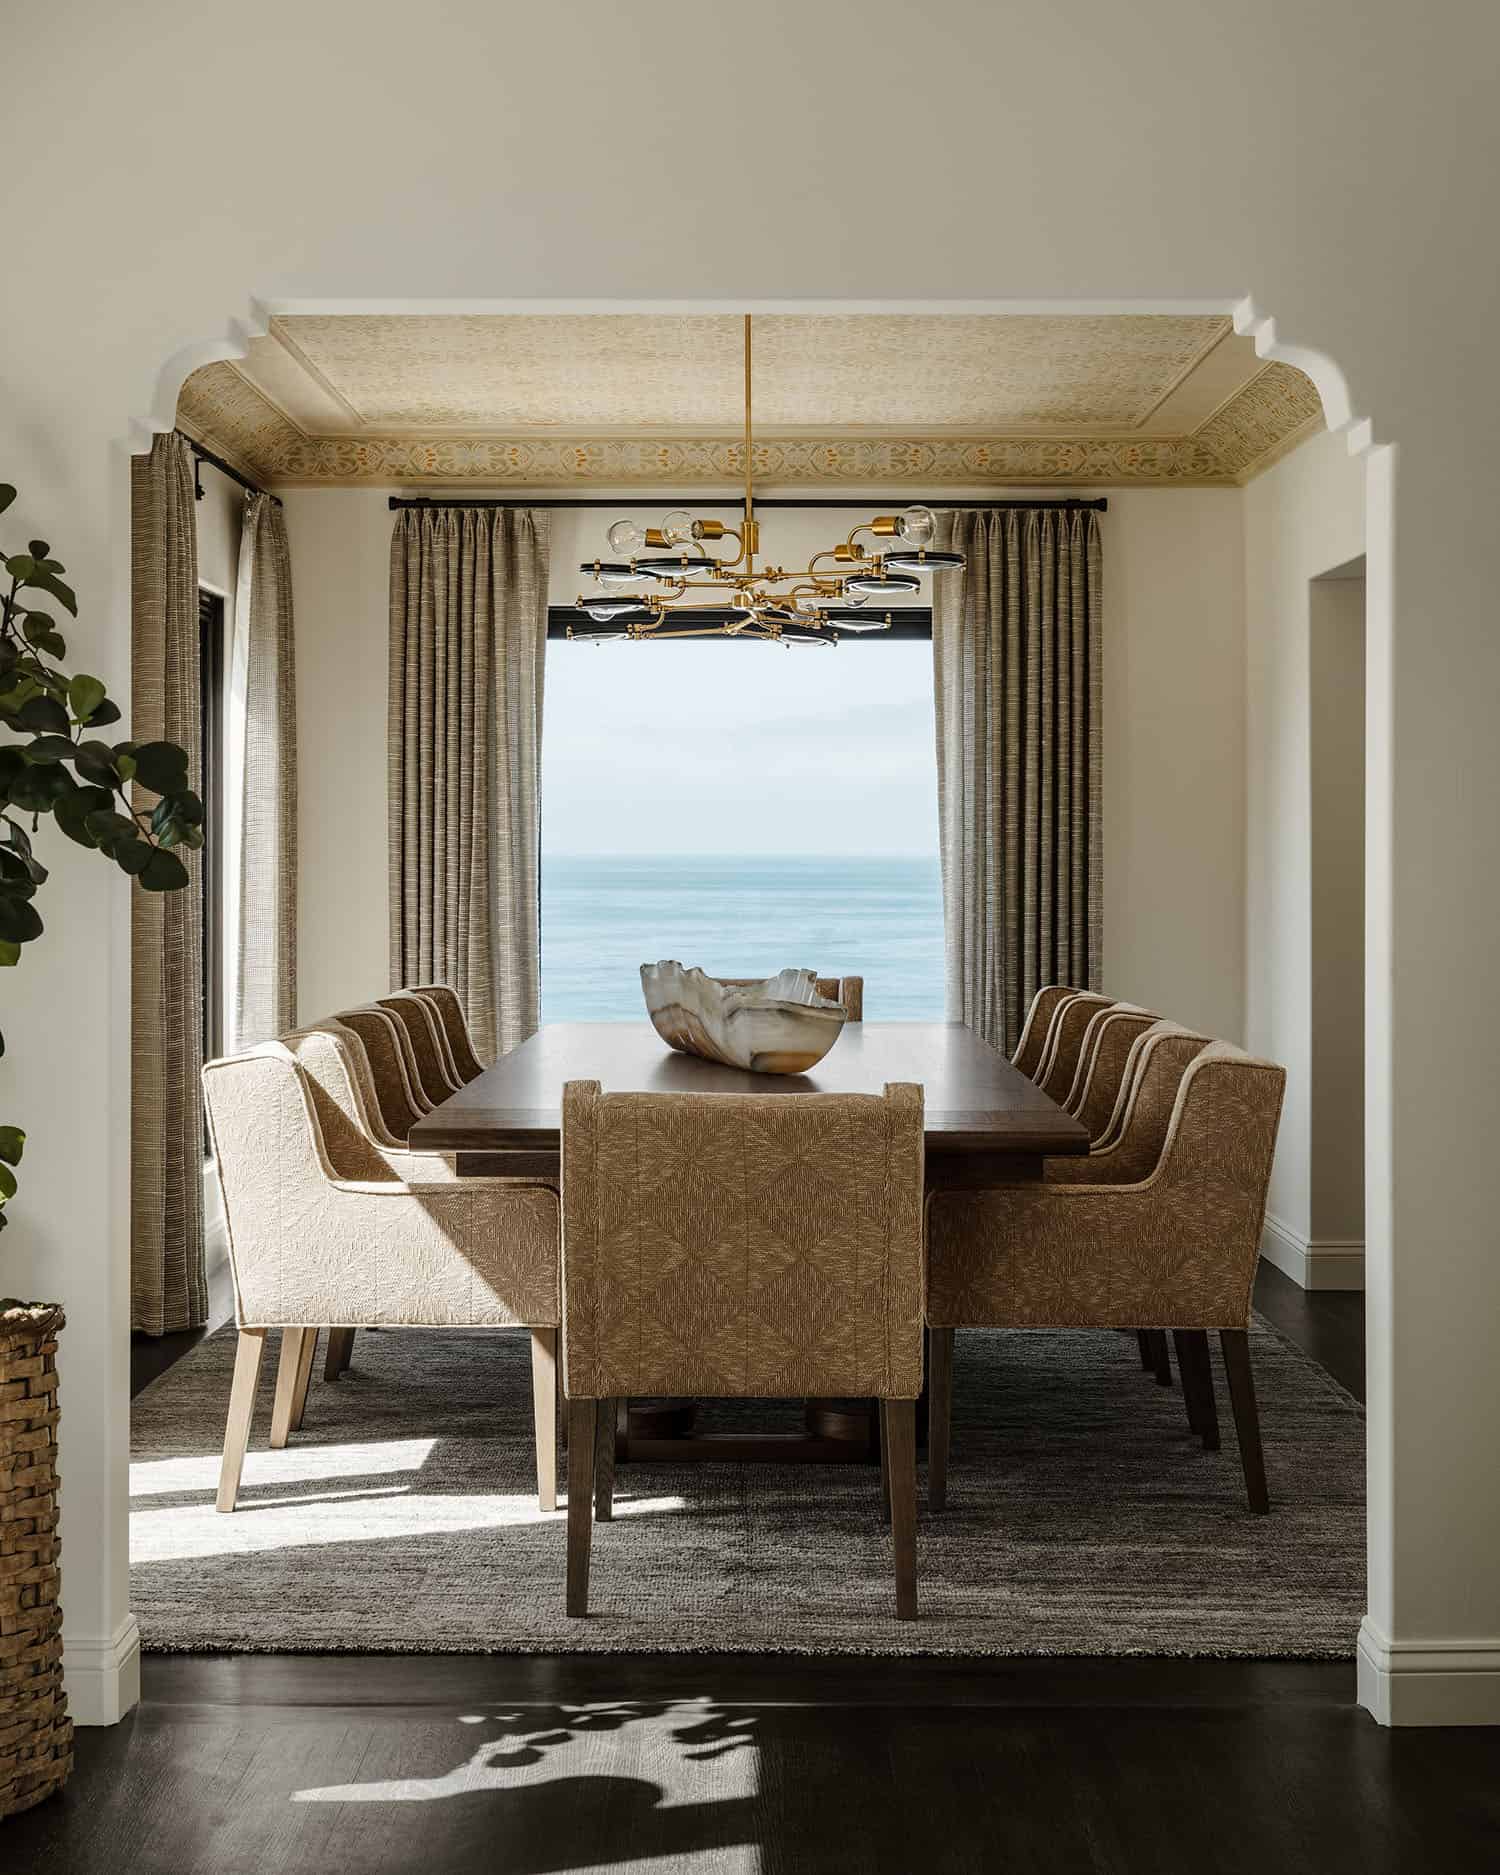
column 603, row 916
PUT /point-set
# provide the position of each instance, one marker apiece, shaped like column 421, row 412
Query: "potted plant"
column 54, row 761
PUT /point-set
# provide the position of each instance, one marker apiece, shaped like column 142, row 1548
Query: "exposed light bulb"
column 679, row 527
column 916, row 525
column 626, row 538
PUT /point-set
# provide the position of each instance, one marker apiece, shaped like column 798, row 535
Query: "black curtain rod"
column 1099, row 505
column 218, row 462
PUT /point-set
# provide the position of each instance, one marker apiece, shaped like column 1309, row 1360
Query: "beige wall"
column 1302, row 519
column 1173, row 735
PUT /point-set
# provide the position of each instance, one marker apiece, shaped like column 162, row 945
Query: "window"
column 742, row 807
column 211, row 773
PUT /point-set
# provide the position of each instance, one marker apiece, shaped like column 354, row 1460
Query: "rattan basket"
column 36, row 1734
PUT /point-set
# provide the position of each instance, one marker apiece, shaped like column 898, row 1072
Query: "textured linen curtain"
column 167, row 1286
column 1017, row 683
column 265, row 1002
column 467, row 651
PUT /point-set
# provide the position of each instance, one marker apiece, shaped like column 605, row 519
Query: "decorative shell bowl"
column 772, row 1025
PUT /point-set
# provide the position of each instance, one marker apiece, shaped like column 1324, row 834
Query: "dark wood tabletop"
column 976, row 1102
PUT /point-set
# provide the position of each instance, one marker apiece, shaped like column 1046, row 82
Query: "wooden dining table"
column 986, row 1124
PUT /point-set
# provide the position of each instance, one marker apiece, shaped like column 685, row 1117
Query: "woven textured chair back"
column 1133, row 1148
column 850, row 991
column 1033, row 1043
column 1070, row 1024
column 423, row 1030
column 307, row 1248
column 393, row 1067
column 337, row 1070
column 464, row 1062
column 1101, row 1064
column 742, row 1245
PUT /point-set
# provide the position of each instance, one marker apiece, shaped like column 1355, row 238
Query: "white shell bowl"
column 771, row 1025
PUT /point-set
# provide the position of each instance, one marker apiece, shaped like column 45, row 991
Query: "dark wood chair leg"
column 604, row 1462
column 899, row 1427
column 1161, row 1359
column 1192, row 1384
column 939, row 1414
column 1143, row 1342
column 1236, row 1345
column 1196, row 1342
column 885, row 1460
column 340, row 1352
column 582, row 1417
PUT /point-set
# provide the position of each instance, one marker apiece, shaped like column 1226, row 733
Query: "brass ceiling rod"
column 1099, row 505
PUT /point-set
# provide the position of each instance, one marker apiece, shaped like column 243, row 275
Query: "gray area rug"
column 1082, row 1519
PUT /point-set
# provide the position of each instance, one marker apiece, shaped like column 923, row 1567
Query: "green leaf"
column 85, row 694
column 192, row 836
column 162, row 767
column 7, row 1183
column 49, row 749
column 95, row 761
column 21, row 566
column 108, row 827
column 45, row 715
column 105, row 712
column 38, row 549
column 12, row 1142
column 72, row 811
column 132, row 856
column 10, row 955
column 164, row 872
column 7, row 495
column 19, row 920
column 49, row 582
column 36, row 625
column 125, row 767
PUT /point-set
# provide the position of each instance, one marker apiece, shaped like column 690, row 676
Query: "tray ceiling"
column 557, row 399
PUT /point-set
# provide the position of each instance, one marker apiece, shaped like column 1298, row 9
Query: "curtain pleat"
column 1017, row 648
column 168, row 1290
column 266, row 973
column 468, row 645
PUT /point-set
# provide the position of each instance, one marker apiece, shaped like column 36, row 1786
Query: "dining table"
column 985, row 1124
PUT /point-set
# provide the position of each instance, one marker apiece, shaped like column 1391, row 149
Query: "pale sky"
column 739, row 748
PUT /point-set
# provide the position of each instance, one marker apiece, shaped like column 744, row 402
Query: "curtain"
column 266, row 935
column 1017, row 682
column 167, row 1286
column 467, row 649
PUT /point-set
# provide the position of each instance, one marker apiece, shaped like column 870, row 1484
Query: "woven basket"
column 36, row 1734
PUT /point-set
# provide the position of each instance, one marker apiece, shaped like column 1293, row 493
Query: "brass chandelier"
column 653, row 571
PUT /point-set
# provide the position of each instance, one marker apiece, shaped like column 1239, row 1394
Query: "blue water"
column 603, row 917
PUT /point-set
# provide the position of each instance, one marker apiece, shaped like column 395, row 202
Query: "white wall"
column 1173, row 733
column 1302, row 519
column 141, row 263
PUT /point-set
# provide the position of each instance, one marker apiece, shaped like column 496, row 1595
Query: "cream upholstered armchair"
column 1033, row 1043
column 393, row 1068
column 1070, row 1023
column 762, row 1246
column 462, row 1058
column 1176, row 1250
column 309, row 1248
column 428, row 1044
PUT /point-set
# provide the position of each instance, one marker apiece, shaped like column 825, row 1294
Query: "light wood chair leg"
column 544, row 1414
column 304, row 1378
column 340, row 1352
column 899, row 1427
column 582, row 1417
column 283, row 1409
column 1236, row 1345
column 604, row 1462
column 939, row 1414
column 247, row 1353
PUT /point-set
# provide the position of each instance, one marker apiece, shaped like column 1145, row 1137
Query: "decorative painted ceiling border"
column 1275, row 411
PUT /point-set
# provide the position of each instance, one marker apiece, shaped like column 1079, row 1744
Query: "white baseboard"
column 1428, row 1682
column 103, row 1676
column 1328, row 1263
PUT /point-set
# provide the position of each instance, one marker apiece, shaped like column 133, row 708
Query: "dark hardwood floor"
column 453, row 1763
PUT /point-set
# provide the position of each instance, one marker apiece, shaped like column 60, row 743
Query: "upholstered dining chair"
column 429, row 1045
column 462, row 1058
column 850, row 991
column 1033, row 1043
column 1070, row 1023
column 393, row 1067
column 309, row 1248
column 1175, row 1250
column 726, row 1245
column 1107, row 1042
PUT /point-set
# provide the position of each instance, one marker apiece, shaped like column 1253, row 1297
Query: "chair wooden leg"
column 340, row 1352
column 1161, row 1359
column 1195, row 1343
column 604, row 1461
column 544, row 1414
column 247, row 1353
column 582, row 1418
column 899, row 1427
column 1143, row 1342
column 1236, row 1345
column 284, row 1406
column 304, row 1377
column 885, row 1461
column 939, row 1414
column 1191, row 1383
column 562, row 1401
